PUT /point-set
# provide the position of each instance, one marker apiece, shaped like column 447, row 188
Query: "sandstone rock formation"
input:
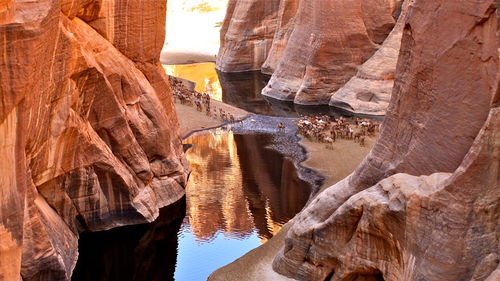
column 284, row 28
column 330, row 39
column 89, row 137
column 247, row 34
column 369, row 91
column 425, row 203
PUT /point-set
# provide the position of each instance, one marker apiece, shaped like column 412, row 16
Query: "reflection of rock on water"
column 238, row 187
column 139, row 252
column 215, row 187
column 272, row 186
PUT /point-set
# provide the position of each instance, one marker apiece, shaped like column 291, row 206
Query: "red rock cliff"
column 247, row 34
column 320, row 50
column 89, row 137
column 424, row 204
column 329, row 40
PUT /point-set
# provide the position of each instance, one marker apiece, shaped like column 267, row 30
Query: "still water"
column 240, row 193
column 243, row 90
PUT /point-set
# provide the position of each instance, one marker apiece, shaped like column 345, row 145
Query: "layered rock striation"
column 424, row 204
column 329, row 40
column 247, row 34
column 369, row 91
column 88, row 132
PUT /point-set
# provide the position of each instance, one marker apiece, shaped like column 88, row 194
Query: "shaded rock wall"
column 424, row 204
column 319, row 49
column 284, row 28
column 330, row 39
column 247, row 34
column 88, row 130
column 369, row 91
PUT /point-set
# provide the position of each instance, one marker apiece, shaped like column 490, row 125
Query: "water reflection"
column 135, row 253
column 243, row 90
column 240, row 193
column 238, row 187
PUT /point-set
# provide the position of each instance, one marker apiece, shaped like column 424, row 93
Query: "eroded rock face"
column 89, row 137
column 247, row 34
column 284, row 28
column 424, row 205
column 329, row 40
column 369, row 91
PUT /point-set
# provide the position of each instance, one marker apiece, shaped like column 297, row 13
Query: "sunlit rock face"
column 329, row 40
column 424, row 205
column 89, row 137
column 247, row 34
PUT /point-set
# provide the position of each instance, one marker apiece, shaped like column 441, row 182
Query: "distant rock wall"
column 284, row 28
column 88, row 133
column 247, row 34
column 424, row 204
column 330, row 39
column 317, row 47
column 369, row 91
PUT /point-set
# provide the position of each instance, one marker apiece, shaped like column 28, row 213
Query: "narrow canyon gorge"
column 90, row 138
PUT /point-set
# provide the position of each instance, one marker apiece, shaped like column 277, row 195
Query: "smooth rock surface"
column 88, row 132
column 284, row 28
column 247, row 34
column 424, row 204
column 330, row 39
column 369, row 91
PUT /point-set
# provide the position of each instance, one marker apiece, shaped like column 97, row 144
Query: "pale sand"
column 337, row 163
column 191, row 120
column 334, row 164
column 185, row 57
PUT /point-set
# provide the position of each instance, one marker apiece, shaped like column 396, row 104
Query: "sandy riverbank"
column 334, row 164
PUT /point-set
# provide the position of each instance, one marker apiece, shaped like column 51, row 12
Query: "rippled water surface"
column 240, row 193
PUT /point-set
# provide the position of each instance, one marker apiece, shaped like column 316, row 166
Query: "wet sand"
column 337, row 163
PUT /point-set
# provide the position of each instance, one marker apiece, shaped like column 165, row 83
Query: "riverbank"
column 192, row 120
column 333, row 163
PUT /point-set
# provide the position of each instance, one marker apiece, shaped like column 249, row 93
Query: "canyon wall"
column 247, row 34
column 330, row 39
column 425, row 203
column 342, row 53
column 369, row 91
column 284, row 27
column 88, row 132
